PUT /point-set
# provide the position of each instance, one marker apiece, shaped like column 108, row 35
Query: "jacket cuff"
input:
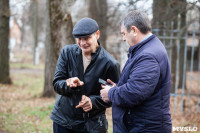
column 110, row 93
column 94, row 106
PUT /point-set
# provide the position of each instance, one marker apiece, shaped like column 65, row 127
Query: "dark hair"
column 138, row 19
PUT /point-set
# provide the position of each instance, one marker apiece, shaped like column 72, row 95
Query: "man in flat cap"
column 79, row 107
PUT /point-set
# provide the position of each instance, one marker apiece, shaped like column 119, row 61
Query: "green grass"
column 22, row 115
column 26, row 111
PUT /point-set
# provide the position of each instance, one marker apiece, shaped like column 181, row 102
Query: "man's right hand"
column 74, row 82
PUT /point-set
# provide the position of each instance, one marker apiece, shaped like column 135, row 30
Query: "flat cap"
column 85, row 27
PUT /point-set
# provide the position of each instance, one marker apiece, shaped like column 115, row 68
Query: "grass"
column 22, row 110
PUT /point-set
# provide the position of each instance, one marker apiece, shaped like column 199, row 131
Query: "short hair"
column 138, row 19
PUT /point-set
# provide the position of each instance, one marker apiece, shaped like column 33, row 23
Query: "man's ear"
column 97, row 34
column 134, row 30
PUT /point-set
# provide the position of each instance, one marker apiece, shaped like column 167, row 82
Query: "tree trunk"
column 35, row 33
column 98, row 11
column 182, row 47
column 4, row 42
column 57, row 20
column 159, row 13
column 67, row 28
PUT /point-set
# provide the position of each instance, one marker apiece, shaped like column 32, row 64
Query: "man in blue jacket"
column 79, row 107
column 141, row 98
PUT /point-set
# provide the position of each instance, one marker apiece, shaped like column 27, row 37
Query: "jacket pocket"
column 128, row 120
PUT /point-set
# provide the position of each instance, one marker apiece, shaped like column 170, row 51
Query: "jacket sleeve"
column 142, row 80
column 60, row 76
column 113, row 73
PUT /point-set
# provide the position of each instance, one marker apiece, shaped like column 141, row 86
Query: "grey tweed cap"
column 85, row 27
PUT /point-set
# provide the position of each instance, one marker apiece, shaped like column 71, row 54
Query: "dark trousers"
column 60, row 129
column 97, row 124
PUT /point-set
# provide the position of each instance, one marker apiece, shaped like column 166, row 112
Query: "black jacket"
column 70, row 64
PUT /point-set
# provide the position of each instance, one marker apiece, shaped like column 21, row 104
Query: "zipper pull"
column 100, row 121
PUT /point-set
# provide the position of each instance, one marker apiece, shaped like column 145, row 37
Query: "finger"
column 73, row 85
column 102, row 86
column 80, row 83
column 101, row 91
column 111, row 82
column 82, row 104
column 79, row 105
column 83, row 97
column 68, row 82
column 76, row 80
column 86, row 109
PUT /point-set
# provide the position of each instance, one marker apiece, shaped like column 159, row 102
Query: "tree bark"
column 182, row 46
column 159, row 13
column 35, row 33
column 57, row 20
column 98, row 11
column 4, row 42
column 67, row 28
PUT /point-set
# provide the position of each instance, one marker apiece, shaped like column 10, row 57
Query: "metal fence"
column 185, row 98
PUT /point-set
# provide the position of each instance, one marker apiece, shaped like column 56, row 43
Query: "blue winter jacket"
column 143, row 91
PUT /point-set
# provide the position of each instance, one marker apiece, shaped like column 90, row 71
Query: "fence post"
column 192, row 61
column 171, row 41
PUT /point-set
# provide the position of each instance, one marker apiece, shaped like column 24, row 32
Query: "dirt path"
column 2, row 131
column 26, row 70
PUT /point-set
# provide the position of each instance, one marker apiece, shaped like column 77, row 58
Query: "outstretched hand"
column 74, row 82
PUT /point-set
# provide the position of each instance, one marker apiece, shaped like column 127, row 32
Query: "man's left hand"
column 85, row 103
column 104, row 92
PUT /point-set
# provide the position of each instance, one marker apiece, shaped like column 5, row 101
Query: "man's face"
column 128, row 36
column 88, row 44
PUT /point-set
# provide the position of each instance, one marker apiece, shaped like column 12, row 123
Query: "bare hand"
column 74, row 82
column 104, row 92
column 85, row 103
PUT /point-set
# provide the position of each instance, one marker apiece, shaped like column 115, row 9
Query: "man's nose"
column 82, row 41
column 123, row 38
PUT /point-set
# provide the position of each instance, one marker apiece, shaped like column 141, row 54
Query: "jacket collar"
column 136, row 47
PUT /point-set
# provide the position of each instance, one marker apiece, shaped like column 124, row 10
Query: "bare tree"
column 59, row 28
column 98, row 11
column 168, row 11
column 35, row 33
column 4, row 42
